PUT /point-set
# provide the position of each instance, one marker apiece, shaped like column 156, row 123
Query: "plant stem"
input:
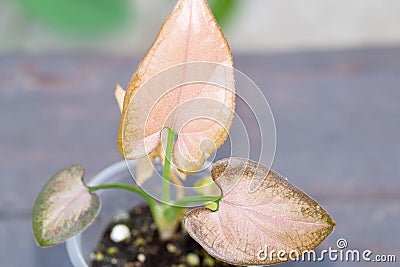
column 167, row 166
column 152, row 203
column 194, row 199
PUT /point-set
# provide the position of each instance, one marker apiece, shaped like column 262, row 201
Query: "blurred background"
column 329, row 70
column 38, row 26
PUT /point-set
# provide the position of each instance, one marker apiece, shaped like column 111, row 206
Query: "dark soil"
column 144, row 248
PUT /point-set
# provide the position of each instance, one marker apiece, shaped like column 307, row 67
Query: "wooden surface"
column 337, row 116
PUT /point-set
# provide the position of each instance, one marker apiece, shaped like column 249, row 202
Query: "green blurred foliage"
column 96, row 17
column 80, row 17
column 223, row 10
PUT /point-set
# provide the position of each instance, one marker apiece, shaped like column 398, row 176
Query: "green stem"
column 152, row 203
column 195, row 199
column 167, row 167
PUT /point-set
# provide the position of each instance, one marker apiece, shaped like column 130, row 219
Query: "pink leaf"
column 63, row 208
column 185, row 82
column 276, row 216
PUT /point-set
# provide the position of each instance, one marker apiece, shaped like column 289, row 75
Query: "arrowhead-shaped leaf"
column 63, row 208
column 185, row 82
column 276, row 216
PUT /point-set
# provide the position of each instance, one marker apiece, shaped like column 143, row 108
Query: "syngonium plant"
column 274, row 213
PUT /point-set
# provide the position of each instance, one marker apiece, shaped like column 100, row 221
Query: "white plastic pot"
column 115, row 203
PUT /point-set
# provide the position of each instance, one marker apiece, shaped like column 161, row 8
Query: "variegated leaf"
column 168, row 89
column 63, row 208
column 276, row 216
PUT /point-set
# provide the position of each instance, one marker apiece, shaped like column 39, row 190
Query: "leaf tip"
column 331, row 223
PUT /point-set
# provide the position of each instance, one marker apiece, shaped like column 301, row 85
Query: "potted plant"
column 176, row 112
